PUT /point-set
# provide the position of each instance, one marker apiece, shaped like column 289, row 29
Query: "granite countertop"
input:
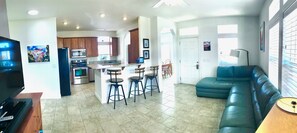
column 100, row 66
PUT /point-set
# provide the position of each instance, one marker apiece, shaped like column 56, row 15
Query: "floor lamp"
column 236, row 53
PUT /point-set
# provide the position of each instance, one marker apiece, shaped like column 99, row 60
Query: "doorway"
column 189, row 61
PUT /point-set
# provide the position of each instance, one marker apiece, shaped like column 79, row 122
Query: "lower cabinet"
column 33, row 121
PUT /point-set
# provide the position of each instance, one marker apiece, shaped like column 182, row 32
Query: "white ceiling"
column 86, row 13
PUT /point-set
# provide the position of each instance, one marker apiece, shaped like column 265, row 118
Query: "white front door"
column 189, row 61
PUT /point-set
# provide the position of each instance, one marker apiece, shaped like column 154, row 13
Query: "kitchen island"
column 101, row 78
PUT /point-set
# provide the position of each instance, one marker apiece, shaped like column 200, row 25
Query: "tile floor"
column 176, row 109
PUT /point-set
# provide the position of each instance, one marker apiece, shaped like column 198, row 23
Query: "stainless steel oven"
column 78, row 53
column 80, row 75
column 80, row 71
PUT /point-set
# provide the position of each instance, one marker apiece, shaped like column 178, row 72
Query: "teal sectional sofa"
column 249, row 93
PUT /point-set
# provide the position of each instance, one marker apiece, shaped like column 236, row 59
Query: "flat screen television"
column 11, row 70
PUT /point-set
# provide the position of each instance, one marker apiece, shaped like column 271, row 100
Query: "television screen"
column 11, row 71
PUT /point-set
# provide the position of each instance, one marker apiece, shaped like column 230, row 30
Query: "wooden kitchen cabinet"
column 67, row 43
column 133, row 48
column 91, row 46
column 94, row 47
column 81, row 43
column 33, row 121
column 60, row 42
column 74, row 43
column 114, row 46
column 88, row 43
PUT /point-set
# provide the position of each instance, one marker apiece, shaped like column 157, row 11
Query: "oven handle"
column 76, row 68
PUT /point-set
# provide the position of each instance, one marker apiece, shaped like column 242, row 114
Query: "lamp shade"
column 234, row 53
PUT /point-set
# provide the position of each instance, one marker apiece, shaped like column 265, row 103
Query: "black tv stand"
column 13, row 114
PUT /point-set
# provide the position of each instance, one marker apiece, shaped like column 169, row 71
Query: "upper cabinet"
column 67, row 43
column 114, row 46
column 133, row 48
column 91, row 44
column 88, row 43
column 60, row 42
column 81, row 43
column 74, row 43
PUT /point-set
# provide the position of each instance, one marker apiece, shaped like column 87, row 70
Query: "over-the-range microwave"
column 78, row 53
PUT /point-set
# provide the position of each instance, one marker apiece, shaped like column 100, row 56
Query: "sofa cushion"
column 236, row 130
column 270, row 103
column 240, row 88
column 225, row 73
column 259, row 83
column 236, row 116
column 242, row 72
column 221, row 95
column 257, row 72
column 211, row 82
column 264, row 95
column 242, row 100
column 257, row 113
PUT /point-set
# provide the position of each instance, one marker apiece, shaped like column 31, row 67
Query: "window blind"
column 289, row 73
column 273, row 54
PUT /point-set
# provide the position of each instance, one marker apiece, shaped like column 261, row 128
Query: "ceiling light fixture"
column 77, row 27
column 171, row 3
column 124, row 18
column 102, row 15
column 33, row 12
column 65, row 23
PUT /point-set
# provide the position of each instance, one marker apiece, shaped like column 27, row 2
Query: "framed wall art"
column 262, row 37
column 146, row 54
column 206, row 46
column 38, row 53
column 146, row 43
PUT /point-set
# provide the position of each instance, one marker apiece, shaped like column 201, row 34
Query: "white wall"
column 144, row 26
column 264, row 56
column 248, row 36
column 123, row 48
column 157, row 25
column 39, row 77
column 4, row 31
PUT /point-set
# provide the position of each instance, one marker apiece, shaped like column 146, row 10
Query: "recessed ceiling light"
column 33, row 12
column 124, row 18
column 77, row 27
column 65, row 23
column 102, row 15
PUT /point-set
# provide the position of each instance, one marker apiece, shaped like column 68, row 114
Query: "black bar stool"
column 152, row 76
column 136, row 80
column 115, row 80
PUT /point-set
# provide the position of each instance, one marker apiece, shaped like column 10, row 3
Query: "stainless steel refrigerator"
column 64, row 71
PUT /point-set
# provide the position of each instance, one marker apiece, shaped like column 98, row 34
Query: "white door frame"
column 178, row 78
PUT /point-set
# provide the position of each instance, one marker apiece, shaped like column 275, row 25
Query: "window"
column 188, row 31
column 289, row 71
column 227, row 40
column 225, row 45
column 104, row 47
column 273, row 8
column 228, row 29
column 273, row 54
